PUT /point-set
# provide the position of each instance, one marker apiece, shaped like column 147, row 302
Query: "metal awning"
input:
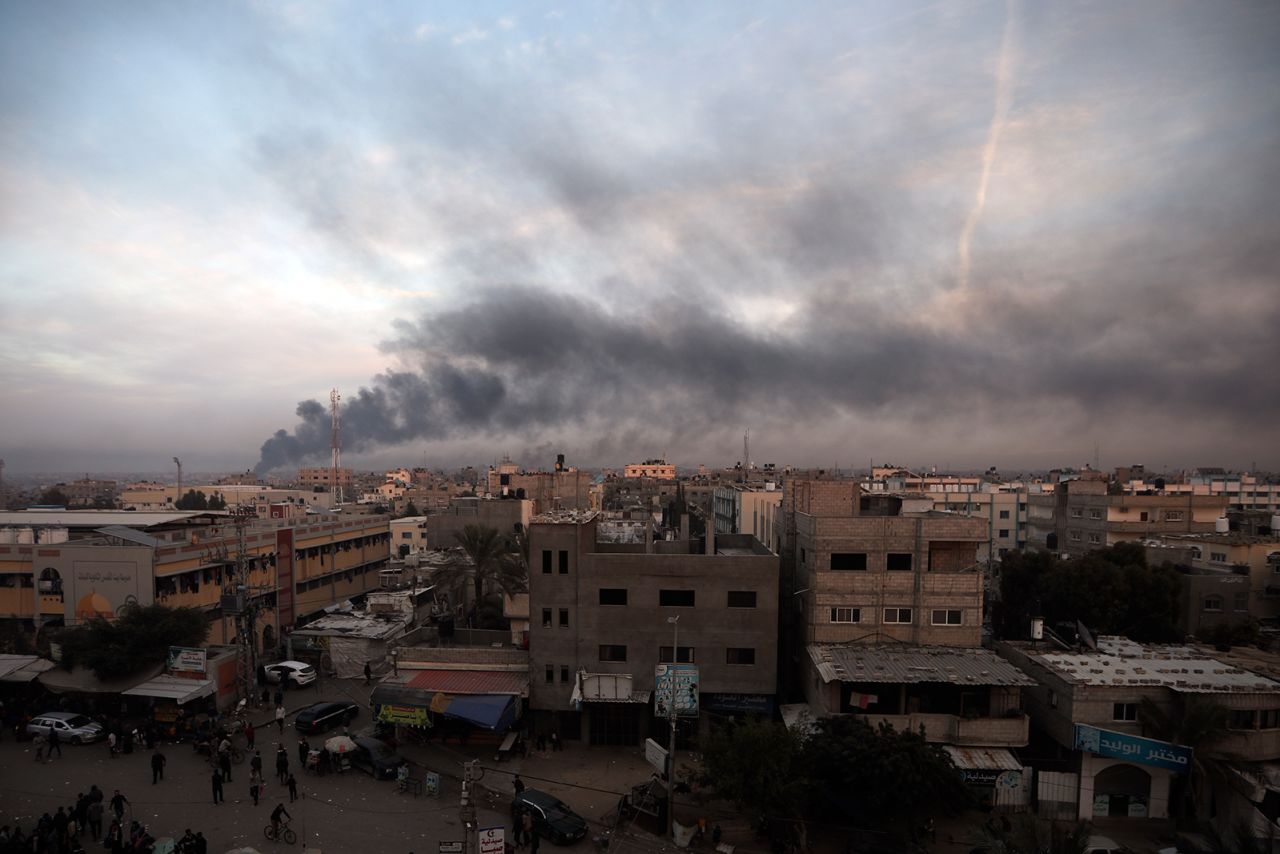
column 22, row 668
column 982, row 758
column 173, row 688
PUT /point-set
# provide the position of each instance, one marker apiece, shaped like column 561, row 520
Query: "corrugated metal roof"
column 983, row 758
column 22, row 668
column 120, row 532
column 173, row 688
column 1121, row 662
column 470, row 681
column 897, row 665
column 98, row 518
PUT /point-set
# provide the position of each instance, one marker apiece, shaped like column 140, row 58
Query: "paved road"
column 348, row 812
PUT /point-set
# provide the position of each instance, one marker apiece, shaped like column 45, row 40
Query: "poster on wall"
column 187, row 659
column 101, row 582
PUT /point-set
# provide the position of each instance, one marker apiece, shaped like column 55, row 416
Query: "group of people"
column 63, row 831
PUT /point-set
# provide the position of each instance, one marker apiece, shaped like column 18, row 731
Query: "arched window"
column 50, row 580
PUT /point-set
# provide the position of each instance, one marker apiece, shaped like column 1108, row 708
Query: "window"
column 1004, row 514
column 407, row 535
column 899, row 616
column 1124, row 711
column 675, row 598
column 613, row 596
column 564, row 618
column 613, row 652
column 1143, row 516
column 742, row 599
column 1075, row 535
column 898, row 562
column 846, row 615
column 546, row 561
column 1213, row 603
column 849, row 560
column 546, row 618
column 1240, row 602
column 564, row 673
column 1095, row 514
column 1269, row 719
column 740, row 655
column 551, row 674
column 949, row 617
column 564, row 562
column 1240, row 719
column 1219, row 557
column 803, row 556
column 1004, row 533
column 686, row 655
column 1076, row 513
column 1173, row 516
column 1095, row 538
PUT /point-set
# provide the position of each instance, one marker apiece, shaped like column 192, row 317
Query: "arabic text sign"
column 680, row 680
column 187, row 659
column 450, row 848
column 492, row 840
column 1133, row 748
column 407, row 715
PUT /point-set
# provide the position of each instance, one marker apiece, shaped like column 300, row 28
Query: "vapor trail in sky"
column 1004, row 96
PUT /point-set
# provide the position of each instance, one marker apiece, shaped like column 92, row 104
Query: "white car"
column 296, row 672
column 71, row 727
column 1103, row 845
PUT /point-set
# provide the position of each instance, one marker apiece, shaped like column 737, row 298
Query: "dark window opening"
column 740, row 655
column 855, row 561
column 613, row 652
column 742, row 599
column 686, row 655
column 613, row 596
column 675, row 598
column 564, row 563
column 546, row 561
column 898, row 562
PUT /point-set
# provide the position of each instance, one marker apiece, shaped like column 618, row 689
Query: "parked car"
column 1103, row 845
column 324, row 715
column 375, row 757
column 71, row 727
column 296, row 672
column 552, row 818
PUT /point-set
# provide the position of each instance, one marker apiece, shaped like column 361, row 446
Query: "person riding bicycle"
column 275, row 819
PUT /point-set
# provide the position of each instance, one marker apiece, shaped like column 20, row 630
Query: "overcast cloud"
column 969, row 233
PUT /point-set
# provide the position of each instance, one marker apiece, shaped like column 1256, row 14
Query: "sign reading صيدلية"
column 1134, row 748
column 679, row 681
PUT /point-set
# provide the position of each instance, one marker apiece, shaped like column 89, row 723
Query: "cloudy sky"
column 960, row 233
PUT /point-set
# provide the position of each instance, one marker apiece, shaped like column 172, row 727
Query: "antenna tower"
column 746, row 451
column 336, row 442
column 177, row 462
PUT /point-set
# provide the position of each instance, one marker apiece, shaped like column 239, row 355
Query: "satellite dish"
column 1085, row 636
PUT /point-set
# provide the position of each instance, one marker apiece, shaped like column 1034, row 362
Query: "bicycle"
column 286, row 833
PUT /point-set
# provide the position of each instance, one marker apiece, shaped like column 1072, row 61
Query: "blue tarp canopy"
column 491, row 711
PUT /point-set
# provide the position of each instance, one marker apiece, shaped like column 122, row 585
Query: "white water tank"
column 8, row 535
column 54, row 535
column 26, row 536
column 1221, row 525
column 1275, row 524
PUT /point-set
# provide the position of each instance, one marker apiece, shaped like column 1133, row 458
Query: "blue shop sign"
column 1133, row 748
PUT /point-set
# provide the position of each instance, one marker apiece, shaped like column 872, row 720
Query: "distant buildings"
column 323, row 478
column 564, row 488
column 656, row 468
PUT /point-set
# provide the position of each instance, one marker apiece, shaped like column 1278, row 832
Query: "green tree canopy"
column 1112, row 591
column 411, row 509
column 139, row 637
column 54, row 496
column 487, row 559
column 193, row 500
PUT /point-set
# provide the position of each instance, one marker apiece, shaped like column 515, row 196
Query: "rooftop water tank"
column 1221, row 525
column 54, row 535
column 8, row 535
column 1275, row 524
column 26, row 536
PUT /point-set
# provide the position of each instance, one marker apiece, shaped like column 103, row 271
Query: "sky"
column 960, row 233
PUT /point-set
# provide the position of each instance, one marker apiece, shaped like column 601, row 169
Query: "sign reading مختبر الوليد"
column 1134, row 748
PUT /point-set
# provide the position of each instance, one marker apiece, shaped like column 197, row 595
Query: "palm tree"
column 486, row 559
column 1199, row 723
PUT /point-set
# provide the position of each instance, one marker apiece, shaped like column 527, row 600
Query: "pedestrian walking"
column 254, row 788
column 280, row 717
column 526, row 827
column 517, row 783
column 279, row 697
column 304, row 750
column 202, row 846
column 224, row 762
column 55, row 743
column 157, row 767
column 217, row 786
column 111, row 743
column 117, row 805
column 282, row 763
column 368, row 673
column 39, row 741
column 255, row 764
column 555, row 741
column 292, row 783
column 533, row 843
column 248, row 734
column 93, row 815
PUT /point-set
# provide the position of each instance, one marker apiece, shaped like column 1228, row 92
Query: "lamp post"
column 671, row 713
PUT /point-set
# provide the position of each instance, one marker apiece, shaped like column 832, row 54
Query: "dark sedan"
column 552, row 818
column 325, row 715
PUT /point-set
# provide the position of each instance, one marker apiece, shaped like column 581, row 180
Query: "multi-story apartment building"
column 1002, row 509
column 658, row 468
column 564, row 488
column 748, row 510
column 158, row 498
column 78, row 565
column 310, row 478
column 1243, row 491
column 1229, row 577
column 1105, row 762
column 88, row 492
column 1079, row 516
column 602, row 616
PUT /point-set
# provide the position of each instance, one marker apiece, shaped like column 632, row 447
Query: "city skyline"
column 984, row 233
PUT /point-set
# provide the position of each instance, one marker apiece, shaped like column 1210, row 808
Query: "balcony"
column 962, row 731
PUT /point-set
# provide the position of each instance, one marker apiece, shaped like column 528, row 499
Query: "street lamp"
column 671, row 713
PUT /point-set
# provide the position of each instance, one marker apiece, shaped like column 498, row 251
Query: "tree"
column 217, row 502
column 757, row 765
column 410, row 509
column 1112, row 591
column 487, row 559
column 54, row 496
column 193, row 500
column 1197, row 722
column 140, row 636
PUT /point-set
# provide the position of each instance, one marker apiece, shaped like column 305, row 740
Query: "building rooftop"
column 100, row 518
column 913, row 664
column 1231, row 538
column 355, row 625
column 1120, row 662
column 564, row 517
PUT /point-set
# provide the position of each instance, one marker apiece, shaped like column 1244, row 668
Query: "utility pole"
column 671, row 713
column 336, row 442
column 177, row 462
column 471, row 774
